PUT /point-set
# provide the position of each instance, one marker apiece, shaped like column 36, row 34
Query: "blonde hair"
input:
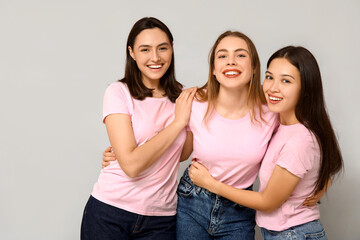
column 210, row 91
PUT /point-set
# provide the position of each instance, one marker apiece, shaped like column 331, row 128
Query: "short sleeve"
column 117, row 99
column 299, row 155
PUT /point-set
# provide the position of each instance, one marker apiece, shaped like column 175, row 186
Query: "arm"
column 109, row 156
column 188, row 147
column 133, row 159
column 280, row 186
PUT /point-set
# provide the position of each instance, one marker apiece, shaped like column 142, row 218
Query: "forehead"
column 283, row 66
column 231, row 43
column 153, row 36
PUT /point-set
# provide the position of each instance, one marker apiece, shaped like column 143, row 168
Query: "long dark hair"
column 210, row 91
column 132, row 76
column 311, row 111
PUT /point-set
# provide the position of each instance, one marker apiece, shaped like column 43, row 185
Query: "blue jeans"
column 306, row 231
column 202, row 215
column 104, row 222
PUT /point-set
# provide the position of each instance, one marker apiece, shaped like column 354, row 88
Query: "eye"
column 221, row 56
column 285, row 81
column 144, row 50
column 163, row 48
column 241, row 55
column 268, row 77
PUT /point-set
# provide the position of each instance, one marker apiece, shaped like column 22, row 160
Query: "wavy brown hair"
column 132, row 76
column 311, row 111
column 210, row 91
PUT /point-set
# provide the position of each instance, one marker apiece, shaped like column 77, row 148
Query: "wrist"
column 213, row 186
column 180, row 124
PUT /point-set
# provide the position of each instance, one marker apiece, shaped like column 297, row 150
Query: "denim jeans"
column 104, row 222
column 307, row 231
column 202, row 215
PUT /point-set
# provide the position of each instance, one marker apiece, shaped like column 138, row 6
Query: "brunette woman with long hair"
column 301, row 158
column 135, row 196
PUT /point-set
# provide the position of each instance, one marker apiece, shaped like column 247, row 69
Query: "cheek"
column 265, row 86
column 168, row 56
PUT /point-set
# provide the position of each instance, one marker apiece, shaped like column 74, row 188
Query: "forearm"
column 136, row 159
column 247, row 198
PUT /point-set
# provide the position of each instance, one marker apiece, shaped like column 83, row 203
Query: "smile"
column 155, row 66
column 275, row 98
column 231, row 73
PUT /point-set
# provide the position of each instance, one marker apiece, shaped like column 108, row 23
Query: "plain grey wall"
column 57, row 58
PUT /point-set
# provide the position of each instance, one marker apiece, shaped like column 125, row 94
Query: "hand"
column 183, row 106
column 201, row 176
column 314, row 199
column 108, row 156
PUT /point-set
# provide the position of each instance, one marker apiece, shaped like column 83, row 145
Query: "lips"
column 231, row 73
column 155, row 66
column 274, row 99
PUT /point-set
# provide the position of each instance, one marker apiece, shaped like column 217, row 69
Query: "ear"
column 131, row 53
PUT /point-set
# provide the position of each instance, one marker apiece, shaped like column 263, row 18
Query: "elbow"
column 130, row 171
column 268, row 208
column 131, row 174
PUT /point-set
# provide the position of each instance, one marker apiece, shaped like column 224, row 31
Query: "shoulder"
column 301, row 152
column 118, row 89
column 302, row 139
column 265, row 117
column 199, row 104
column 118, row 86
column 267, row 114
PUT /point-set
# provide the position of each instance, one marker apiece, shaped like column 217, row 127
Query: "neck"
column 288, row 118
column 232, row 104
column 157, row 91
column 152, row 84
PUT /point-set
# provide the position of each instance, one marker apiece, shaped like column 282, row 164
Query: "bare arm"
column 109, row 156
column 134, row 159
column 188, row 147
column 280, row 186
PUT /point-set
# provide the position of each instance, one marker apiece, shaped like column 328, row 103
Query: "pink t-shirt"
column 232, row 150
column 294, row 148
column 153, row 192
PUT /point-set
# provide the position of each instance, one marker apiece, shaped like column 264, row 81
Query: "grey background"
column 57, row 58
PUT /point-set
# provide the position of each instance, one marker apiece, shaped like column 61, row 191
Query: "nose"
column 274, row 87
column 155, row 56
column 231, row 60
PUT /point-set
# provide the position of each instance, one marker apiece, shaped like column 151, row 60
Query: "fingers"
column 311, row 201
column 104, row 164
column 108, row 156
column 195, row 165
column 187, row 94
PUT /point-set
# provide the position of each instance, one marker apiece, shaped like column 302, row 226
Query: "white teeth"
column 275, row 99
column 154, row 66
column 231, row 73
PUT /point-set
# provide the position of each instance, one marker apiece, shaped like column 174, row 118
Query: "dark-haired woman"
column 302, row 156
column 135, row 196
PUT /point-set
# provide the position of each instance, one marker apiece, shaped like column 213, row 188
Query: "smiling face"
column 232, row 63
column 282, row 87
column 152, row 52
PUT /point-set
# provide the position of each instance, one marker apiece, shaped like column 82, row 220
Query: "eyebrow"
column 161, row 44
column 283, row 75
column 237, row 50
